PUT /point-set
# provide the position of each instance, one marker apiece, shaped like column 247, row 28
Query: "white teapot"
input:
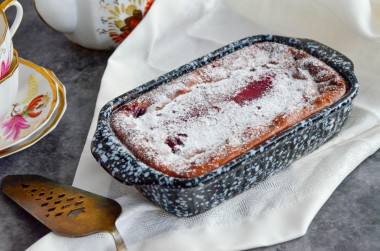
column 95, row 24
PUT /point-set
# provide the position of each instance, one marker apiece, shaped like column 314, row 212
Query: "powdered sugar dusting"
column 222, row 106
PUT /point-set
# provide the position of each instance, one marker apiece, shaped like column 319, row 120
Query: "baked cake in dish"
column 204, row 119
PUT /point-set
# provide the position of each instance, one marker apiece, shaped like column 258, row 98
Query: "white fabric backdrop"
column 281, row 208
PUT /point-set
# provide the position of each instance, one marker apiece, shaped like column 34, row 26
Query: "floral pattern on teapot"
column 121, row 17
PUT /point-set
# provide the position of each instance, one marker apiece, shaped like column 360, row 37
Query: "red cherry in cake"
column 136, row 111
column 216, row 108
column 318, row 72
column 175, row 141
column 254, row 90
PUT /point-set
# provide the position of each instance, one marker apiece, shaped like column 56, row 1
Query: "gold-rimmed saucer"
column 51, row 120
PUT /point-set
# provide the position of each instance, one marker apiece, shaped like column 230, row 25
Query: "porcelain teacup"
column 6, row 33
column 8, row 87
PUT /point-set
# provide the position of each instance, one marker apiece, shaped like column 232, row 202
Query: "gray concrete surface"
column 350, row 220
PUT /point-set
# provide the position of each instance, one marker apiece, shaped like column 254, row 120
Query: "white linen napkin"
column 282, row 207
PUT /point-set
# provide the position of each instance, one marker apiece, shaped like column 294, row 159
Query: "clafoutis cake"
column 217, row 126
column 206, row 118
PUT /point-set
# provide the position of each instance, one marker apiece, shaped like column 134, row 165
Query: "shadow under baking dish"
column 187, row 197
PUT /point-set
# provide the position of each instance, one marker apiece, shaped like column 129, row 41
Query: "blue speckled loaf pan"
column 186, row 197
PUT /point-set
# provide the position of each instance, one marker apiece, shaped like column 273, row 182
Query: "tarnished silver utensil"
column 66, row 210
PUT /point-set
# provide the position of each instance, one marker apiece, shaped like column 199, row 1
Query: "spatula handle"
column 119, row 242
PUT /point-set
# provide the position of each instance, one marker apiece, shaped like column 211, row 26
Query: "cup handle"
column 16, row 23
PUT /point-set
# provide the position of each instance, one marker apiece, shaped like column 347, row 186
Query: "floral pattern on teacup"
column 18, row 122
column 121, row 18
column 6, row 64
column 24, row 115
column 14, row 127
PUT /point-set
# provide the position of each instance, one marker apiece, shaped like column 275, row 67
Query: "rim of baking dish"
column 119, row 162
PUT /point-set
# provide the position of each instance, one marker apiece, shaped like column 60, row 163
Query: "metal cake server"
column 66, row 210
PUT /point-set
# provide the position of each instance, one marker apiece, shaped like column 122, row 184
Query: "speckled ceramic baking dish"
column 190, row 196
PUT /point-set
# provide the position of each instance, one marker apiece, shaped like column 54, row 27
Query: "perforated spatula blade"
column 66, row 210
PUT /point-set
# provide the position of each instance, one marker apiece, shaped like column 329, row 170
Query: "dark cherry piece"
column 172, row 142
column 136, row 111
column 254, row 90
